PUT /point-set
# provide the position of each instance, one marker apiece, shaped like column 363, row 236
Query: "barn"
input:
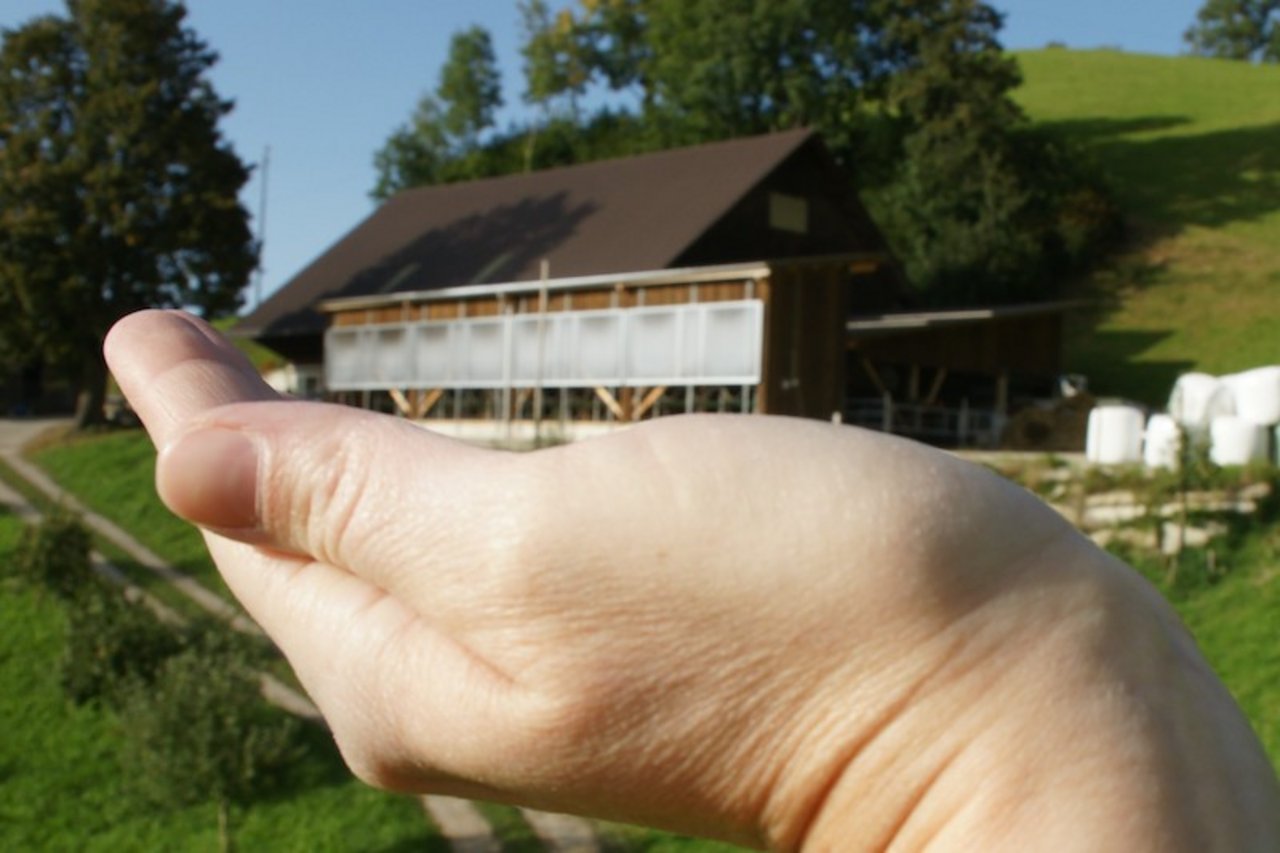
column 739, row 276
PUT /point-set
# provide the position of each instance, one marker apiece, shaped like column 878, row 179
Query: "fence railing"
column 960, row 426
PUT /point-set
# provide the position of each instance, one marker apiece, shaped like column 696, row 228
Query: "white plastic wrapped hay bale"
column 1114, row 435
column 1162, row 442
column 1256, row 394
column 1198, row 398
column 1236, row 441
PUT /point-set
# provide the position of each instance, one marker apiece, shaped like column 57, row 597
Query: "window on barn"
column 788, row 213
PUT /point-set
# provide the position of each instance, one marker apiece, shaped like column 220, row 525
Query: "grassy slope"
column 113, row 474
column 1192, row 147
column 61, row 785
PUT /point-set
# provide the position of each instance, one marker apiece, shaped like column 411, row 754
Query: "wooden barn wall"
column 837, row 222
column 527, row 303
column 804, row 342
column 1031, row 345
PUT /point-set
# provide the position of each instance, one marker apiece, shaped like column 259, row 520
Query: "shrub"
column 112, row 642
column 201, row 731
column 54, row 554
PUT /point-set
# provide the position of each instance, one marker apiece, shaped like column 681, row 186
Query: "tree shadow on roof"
column 502, row 244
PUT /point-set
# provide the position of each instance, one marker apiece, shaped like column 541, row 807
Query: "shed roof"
column 583, row 219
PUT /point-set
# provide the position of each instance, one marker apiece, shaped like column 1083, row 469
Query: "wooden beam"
column 875, row 375
column 522, row 397
column 402, row 402
column 610, row 402
column 426, row 402
column 654, row 395
column 936, row 388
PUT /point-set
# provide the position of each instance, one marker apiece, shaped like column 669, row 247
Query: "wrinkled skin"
column 777, row 632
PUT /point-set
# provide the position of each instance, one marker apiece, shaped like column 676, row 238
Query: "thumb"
column 375, row 496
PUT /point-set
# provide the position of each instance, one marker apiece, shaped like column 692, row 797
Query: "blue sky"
column 323, row 82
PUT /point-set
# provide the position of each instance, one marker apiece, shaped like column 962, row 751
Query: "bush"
column 54, row 554
column 201, row 731
column 112, row 642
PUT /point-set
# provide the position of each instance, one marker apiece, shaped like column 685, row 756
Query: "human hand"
column 776, row 632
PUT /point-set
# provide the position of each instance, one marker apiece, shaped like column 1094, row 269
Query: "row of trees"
column 117, row 191
column 195, row 726
column 913, row 98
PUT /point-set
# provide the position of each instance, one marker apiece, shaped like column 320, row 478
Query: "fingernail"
column 210, row 477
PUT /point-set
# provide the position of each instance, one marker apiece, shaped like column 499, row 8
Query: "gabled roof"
column 634, row 213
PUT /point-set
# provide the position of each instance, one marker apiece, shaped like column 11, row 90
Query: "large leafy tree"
column 914, row 95
column 117, row 191
column 441, row 142
column 979, row 206
column 1237, row 29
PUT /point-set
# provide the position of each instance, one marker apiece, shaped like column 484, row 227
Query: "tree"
column 714, row 69
column 441, row 142
column 914, row 96
column 1237, row 29
column 117, row 191
column 980, row 207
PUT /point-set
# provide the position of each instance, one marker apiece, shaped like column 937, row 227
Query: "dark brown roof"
column 636, row 213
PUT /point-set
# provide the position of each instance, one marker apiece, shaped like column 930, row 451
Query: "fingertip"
column 209, row 476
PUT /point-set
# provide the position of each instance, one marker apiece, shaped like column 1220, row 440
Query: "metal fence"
column 961, row 426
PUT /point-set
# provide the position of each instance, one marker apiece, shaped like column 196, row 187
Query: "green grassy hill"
column 1192, row 147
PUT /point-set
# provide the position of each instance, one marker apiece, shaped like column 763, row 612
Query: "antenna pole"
column 262, row 227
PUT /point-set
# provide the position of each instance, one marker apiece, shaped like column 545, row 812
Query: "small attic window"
column 788, row 213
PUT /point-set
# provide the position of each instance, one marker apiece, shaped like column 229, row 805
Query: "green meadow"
column 1191, row 146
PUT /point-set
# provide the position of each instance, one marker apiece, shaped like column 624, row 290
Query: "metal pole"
column 542, row 345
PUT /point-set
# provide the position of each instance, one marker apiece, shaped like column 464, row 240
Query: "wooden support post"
column 874, row 375
column 913, row 384
column 522, row 396
column 604, row 395
column 654, row 395
column 936, row 388
column 1002, row 393
column 627, row 399
column 427, row 401
column 402, row 402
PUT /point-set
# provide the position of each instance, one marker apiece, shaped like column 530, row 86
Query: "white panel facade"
column 715, row 343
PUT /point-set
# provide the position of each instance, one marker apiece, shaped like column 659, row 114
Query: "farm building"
column 739, row 276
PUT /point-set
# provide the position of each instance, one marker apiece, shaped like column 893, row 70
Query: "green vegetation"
column 1192, row 149
column 915, row 98
column 113, row 473
column 117, row 191
column 64, row 787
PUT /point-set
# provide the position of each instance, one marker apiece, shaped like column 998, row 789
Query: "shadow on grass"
column 1111, row 360
column 1206, row 179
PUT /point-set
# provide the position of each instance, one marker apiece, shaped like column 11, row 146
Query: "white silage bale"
column 1162, row 442
column 1114, row 435
column 1198, row 398
column 1236, row 441
column 1256, row 394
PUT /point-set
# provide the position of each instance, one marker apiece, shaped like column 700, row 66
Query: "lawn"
column 62, row 786
column 1192, row 148
column 113, row 473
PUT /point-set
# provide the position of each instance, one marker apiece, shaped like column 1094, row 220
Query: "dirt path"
column 459, row 821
